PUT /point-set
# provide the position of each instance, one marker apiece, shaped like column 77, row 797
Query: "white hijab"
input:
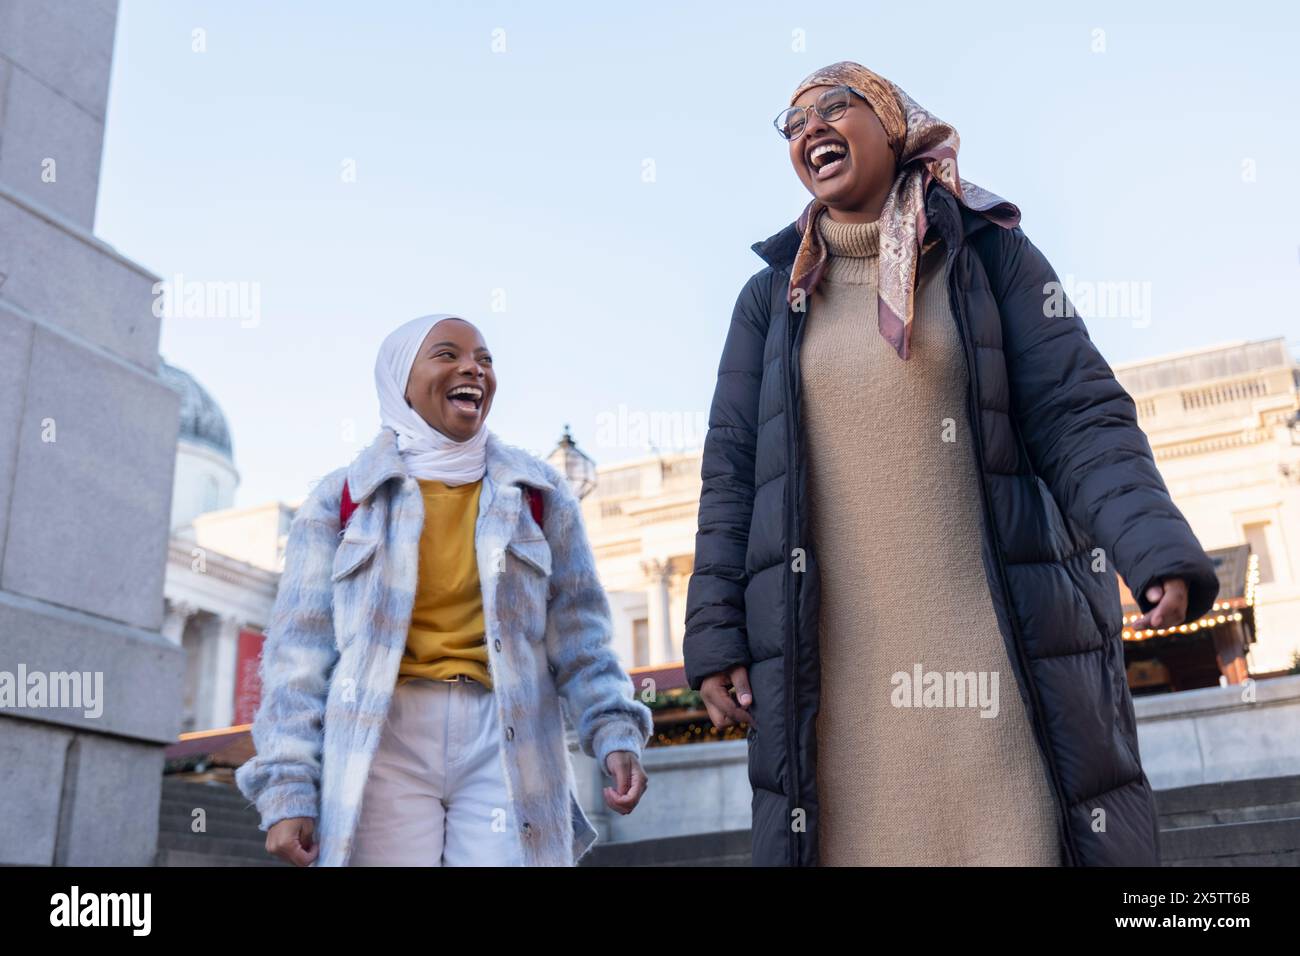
column 425, row 451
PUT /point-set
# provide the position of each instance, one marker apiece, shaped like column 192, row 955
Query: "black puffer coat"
column 1064, row 469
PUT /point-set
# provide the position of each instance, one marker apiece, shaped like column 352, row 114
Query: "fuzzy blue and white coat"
column 338, row 631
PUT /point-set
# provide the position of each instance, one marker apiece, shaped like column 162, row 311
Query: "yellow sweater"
column 446, row 635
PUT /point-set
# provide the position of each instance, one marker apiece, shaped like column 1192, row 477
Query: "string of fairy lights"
column 1221, row 613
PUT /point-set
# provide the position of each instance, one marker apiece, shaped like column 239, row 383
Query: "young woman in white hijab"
column 427, row 730
column 440, row 436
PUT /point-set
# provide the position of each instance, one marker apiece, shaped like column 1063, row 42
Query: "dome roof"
column 202, row 420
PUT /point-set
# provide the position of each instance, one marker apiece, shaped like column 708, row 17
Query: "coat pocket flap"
column 534, row 552
column 351, row 555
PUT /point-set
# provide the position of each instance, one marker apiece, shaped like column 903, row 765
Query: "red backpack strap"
column 535, row 503
column 346, row 507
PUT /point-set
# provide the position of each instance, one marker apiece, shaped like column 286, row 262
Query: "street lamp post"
column 578, row 470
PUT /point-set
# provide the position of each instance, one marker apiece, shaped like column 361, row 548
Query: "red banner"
column 248, row 682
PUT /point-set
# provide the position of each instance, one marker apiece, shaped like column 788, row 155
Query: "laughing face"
column 846, row 163
column 452, row 381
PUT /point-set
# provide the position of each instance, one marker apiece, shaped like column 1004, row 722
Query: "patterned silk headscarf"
column 925, row 148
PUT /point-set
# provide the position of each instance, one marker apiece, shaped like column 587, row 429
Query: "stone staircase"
column 1236, row 823
column 231, row 838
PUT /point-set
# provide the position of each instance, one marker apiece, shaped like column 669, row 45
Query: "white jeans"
column 436, row 793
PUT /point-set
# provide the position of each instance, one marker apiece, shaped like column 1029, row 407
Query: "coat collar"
column 942, row 210
column 380, row 461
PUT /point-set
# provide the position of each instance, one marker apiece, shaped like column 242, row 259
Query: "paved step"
column 1255, row 843
column 211, row 808
column 204, row 793
column 183, row 823
column 168, row 857
column 175, row 802
column 206, row 843
column 214, row 828
column 1232, row 801
column 728, row 848
column 183, row 813
column 1243, row 859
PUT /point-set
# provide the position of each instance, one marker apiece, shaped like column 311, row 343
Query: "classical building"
column 223, row 566
column 641, row 518
column 1223, row 426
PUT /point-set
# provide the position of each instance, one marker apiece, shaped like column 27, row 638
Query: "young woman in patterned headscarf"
column 876, row 369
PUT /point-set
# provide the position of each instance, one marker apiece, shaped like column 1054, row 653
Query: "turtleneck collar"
column 853, row 249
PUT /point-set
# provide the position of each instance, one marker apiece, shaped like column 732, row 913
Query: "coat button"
column 497, row 643
column 526, row 828
column 510, row 733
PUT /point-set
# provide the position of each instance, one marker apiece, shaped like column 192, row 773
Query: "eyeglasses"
column 829, row 106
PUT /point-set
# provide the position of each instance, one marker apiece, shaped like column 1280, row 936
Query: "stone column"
column 224, row 661
column 175, row 619
column 657, row 607
column 87, row 453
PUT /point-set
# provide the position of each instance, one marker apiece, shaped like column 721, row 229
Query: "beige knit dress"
column 896, row 523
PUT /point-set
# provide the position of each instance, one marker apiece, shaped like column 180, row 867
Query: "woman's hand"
column 293, row 840
column 1170, row 597
column 724, row 710
column 630, row 781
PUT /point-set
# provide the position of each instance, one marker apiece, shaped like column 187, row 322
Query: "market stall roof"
column 665, row 676
column 225, row 746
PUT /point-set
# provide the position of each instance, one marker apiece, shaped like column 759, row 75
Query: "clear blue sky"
column 523, row 171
